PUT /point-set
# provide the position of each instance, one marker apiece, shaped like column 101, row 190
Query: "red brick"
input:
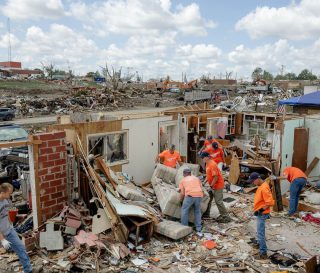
column 52, row 143
column 44, row 164
column 62, row 188
column 43, row 171
column 51, row 203
column 61, row 134
column 54, row 156
column 60, row 175
column 55, row 183
column 49, row 177
column 60, row 148
column 51, row 190
column 56, row 195
column 45, row 185
column 45, row 198
column 51, row 135
column 60, row 162
column 43, row 145
column 45, row 151
column 59, row 206
column 55, row 169
column 42, row 158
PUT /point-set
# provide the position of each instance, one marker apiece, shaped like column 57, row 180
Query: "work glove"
column 6, row 244
column 273, row 177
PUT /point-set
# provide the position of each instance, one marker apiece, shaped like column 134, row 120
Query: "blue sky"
column 163, row 37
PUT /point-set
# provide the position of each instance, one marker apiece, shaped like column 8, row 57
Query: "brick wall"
column 52, row 173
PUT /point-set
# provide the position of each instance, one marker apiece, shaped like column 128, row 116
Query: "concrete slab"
column 131, row 192
column 173, row 230
column 169, row 200
column 51, row 239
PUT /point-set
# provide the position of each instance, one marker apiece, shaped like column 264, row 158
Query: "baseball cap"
column 253, row 176
column 187, row 171
column 204, row 154
column 215, row 145
column 172, row 147
column 210, row 137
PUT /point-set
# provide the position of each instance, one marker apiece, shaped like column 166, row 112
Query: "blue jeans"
column 18, row 247
column 261, row 232
column 295, row 190
column 188, row 202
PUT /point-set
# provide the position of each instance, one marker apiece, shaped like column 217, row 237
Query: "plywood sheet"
column 300, row 148
column 234, row 170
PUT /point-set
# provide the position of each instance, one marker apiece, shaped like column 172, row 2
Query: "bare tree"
column 228, row 75
column 48, row 70
column 112, row 76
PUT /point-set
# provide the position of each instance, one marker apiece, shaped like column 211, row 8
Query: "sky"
column 164, row 37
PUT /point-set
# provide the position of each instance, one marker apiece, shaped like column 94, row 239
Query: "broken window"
column 113, row 147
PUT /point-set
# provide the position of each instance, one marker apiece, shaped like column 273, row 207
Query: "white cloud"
column 4, row 41
column 33, row 9
column 152, row 17
column 296, row 22
column 60, row 45
column 272, row 56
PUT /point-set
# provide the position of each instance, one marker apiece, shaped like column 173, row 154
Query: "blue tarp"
column 312, row 99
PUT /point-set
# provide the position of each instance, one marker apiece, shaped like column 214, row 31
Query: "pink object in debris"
column 87, row 238
column 74, row 223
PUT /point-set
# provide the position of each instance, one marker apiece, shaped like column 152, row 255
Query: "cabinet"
column 258, row 124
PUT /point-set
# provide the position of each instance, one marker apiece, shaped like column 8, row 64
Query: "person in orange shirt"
column 261, row 206
column 216, row 183
column 170, row 157
column 298, row 180
column 191, row 194
column 216, row 154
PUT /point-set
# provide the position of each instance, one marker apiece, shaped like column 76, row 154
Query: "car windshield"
column 12, row 133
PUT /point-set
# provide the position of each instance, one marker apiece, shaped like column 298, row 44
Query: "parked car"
column 6, row 114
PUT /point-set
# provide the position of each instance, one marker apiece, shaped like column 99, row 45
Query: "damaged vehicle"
column 12, row 159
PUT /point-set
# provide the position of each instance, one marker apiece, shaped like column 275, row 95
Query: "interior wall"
column 143, row 147
column 313, row 123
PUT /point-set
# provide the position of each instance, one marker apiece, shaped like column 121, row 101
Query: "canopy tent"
column 312, row 99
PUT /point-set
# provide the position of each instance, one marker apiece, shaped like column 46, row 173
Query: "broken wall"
column 51, row 175
column 143, row 147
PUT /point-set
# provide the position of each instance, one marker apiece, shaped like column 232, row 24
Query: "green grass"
column 24, row 85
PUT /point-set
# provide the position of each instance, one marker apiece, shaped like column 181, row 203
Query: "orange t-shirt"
column 208, row 142
column 263, row 197
column 216, row 155
column 170, row 160
column 292, row 173
column 191, row 185
column 212, row 170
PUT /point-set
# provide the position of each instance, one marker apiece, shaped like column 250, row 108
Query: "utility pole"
column 9, row 40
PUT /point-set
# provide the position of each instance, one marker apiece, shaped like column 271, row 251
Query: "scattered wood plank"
column 105, row 169
column 234, row 170
column 301, row 206
column 303, row 248
column 311, row 265
column 313, row 163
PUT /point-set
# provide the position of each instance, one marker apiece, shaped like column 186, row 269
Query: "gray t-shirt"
column 5, row 224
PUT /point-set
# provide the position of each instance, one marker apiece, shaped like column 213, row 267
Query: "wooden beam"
column 276, row 194
column 313, row 163
column 11, row 144
column 105, row 169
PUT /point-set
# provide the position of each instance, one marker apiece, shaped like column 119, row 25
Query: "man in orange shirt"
column 191, row 194
column 216, row 154
column 170, row 157
column 261, row 206
column 298, row 180
column 216, row 183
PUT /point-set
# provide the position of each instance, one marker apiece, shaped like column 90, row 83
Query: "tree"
column 290, row 76
column 279, row 77
column 267, row 76
column 256, row 74
column 48, row 70
column 113, row 76
column 305, row 74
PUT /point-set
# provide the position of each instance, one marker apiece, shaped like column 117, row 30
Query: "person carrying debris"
column 191, row 194
column 298, row 180
column 8, row 236
column 216, row 183
column 261, row 206
column 216, row 154
column 170, row 157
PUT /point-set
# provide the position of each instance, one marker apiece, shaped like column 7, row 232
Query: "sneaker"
column 260, row 257
column 199, row 234
column 255, row 246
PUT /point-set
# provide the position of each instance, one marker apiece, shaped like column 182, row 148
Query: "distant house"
column 15, row 68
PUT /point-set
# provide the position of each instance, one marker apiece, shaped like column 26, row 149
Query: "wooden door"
column 300, row 148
